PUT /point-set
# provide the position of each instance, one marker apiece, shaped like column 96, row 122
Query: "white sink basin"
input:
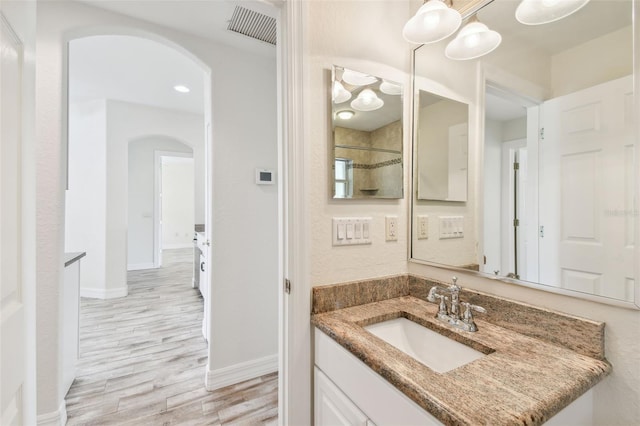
column 434, row 350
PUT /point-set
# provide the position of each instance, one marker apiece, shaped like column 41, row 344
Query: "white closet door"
column 586, row 187
column 12, row 312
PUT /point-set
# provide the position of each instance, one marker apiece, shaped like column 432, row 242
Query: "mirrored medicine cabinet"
column 548, row 194
column 366, row 115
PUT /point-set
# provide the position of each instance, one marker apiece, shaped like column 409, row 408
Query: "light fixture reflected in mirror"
column 340, row 94
column 356, row 78
column 538, row 12
column 367, row 100
column 473, row 41
column 345, row 114
column 434, row 21
column 390, row 88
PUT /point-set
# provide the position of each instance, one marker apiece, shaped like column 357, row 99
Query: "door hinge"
column 516, row 222
column 542, row 133
column 516, row 166
column 287, row 286
column 542, row 231
column 485, row 259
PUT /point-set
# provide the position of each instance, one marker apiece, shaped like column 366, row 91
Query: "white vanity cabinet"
column 348, row 390
column 332, row 406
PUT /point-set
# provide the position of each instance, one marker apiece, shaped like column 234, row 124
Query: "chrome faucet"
column 452, row 315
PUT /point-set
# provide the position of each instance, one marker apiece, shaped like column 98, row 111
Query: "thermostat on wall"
column 264, row 177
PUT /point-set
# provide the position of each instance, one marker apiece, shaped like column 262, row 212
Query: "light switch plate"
column 348, row 231
column 423, row 227
column 391, row 228
column 451, row 227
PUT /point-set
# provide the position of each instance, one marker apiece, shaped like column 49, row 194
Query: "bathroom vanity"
column 535, row 366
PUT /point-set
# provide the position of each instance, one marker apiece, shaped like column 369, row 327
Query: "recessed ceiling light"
column 182, row 89
column 345, row 114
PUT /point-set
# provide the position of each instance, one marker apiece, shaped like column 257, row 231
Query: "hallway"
column 143, row 359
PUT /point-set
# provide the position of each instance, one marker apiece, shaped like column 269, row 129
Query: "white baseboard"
column 99, row 293
column 55, row 418
column 140, row 266
column 169, row 246
column 237, row 373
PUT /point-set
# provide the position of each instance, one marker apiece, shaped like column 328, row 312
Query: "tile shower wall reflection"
column 367, row 159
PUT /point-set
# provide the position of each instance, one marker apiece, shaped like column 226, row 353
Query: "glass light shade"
column 473, row 41
column 367, row 100
column 356, row 78
column 538, row 12
column 434, row 21
column 345, row 114
column 340, row 94
column 390, row 88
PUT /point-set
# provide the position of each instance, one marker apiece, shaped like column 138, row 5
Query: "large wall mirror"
column 367, row 135
column 552, row 158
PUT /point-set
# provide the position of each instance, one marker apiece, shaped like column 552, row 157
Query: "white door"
column 331, row 406
column 586, row 201
column 12, row 324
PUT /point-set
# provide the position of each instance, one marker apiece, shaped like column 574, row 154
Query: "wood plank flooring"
column 143, row 359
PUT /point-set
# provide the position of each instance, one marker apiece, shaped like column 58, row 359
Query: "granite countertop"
column 521, row 380
column 70, row 258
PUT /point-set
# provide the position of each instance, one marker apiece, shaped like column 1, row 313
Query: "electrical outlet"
column 391, row 228
column 423, row 227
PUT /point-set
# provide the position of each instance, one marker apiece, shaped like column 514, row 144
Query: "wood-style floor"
column 143, row 359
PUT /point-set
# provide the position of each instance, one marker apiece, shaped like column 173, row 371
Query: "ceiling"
column 133, row 69
column 142, row 71
column 203, row 18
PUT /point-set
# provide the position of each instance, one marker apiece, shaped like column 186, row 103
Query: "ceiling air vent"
column 253, row 24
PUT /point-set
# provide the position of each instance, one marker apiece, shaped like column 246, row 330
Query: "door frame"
column 157, row 200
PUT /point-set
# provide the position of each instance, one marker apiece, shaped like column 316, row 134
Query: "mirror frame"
column 482, row 78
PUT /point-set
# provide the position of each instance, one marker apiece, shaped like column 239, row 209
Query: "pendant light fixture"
column 434, row 21
column 367, row 100
column 538, row 12
column 474, row 40
column 390, row 88
column 340, row 94
column 356, row 78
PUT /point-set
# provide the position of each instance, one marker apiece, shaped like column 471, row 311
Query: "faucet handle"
column 469, row 307
column 467, row 317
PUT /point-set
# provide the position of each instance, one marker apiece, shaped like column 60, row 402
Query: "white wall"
column 128, row 122
column 177, row 202
column 140, row 230
column 243, row 131
column 339, row 33
column 86, row 198
column 97, row 217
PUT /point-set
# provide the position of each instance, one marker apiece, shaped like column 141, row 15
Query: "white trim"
column 157, row 230
column 141, row 266
column 237, row 373
column 54, row 418
column 170, row 246
column 296, row 366
column 98, row 293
